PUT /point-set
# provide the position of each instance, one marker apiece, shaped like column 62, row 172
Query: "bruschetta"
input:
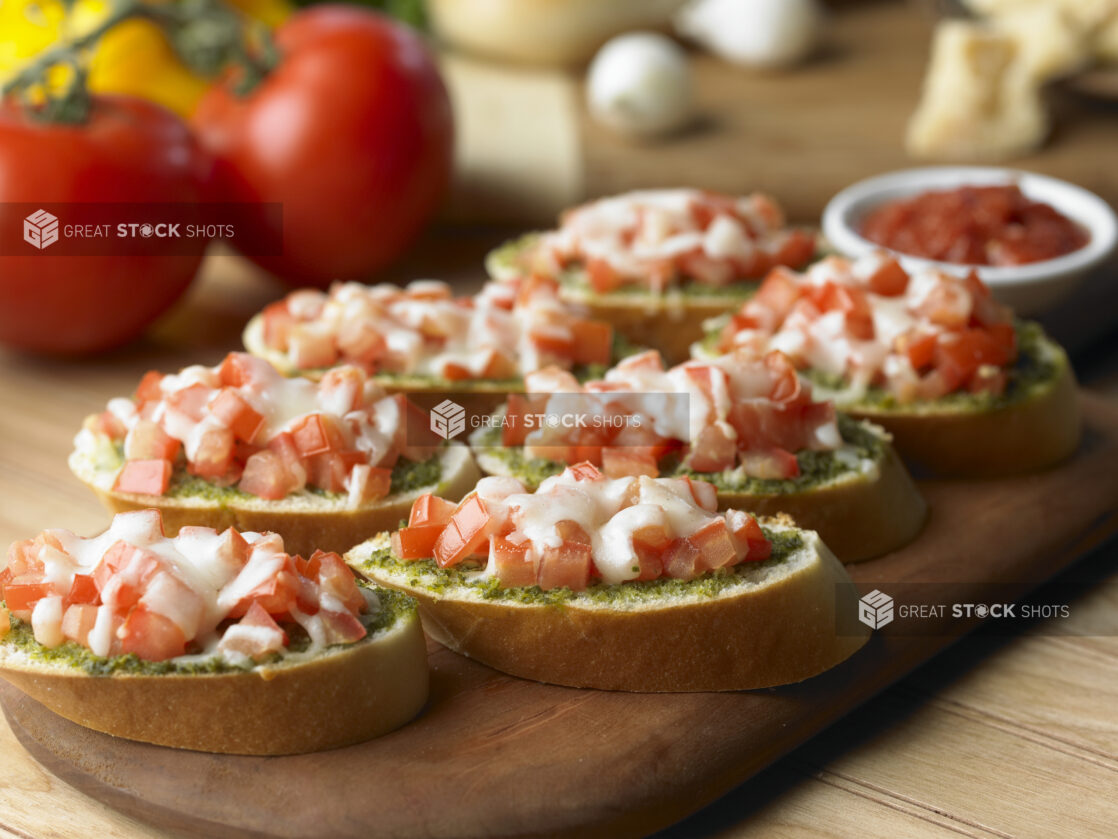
column 634, row 584
column 656, row 264
column 212, row 641
column 964, row 389
column 747, row 425
column 422, row 339
column 323, row 463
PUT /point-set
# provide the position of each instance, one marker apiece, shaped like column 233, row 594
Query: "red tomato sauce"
column 974, row 225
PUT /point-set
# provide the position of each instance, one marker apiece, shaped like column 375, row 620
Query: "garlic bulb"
column 757, row 33
column 640, row 85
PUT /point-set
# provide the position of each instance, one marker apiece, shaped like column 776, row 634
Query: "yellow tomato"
column 134, row 58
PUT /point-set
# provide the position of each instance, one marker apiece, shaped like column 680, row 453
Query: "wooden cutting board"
column 495, row 755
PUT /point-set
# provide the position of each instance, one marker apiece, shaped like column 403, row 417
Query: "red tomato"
column 352, row 133
column 151, row 636
column 128, row 151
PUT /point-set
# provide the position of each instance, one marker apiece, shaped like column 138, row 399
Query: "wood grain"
column 622, row 764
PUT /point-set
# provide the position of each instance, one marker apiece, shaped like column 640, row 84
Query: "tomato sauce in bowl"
column 974, row 225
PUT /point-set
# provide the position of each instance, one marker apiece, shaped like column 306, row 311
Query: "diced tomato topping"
column 146, row 477
column 108, row 424
column 569, row 565
column 362, row 343
column 213, row 458
column 715, row 449
column 148, row 389
column 255, row 636
column 310, row 348
column 245, row 422
column 959, row 355
column 266, row 476
column 593, row 342
column 416, row 541
column 920, row 347
column 238, row 369
column 368, row 483
column 278, row 321
column 316, row 434
column 341, row 627
column 430, row 509
column 714, row 544
column 465, row 534
column 603, row 278
column 649, row 543
column 190, row 401
column 151, row 636
column 77, row 621
column 276, row 595
column 147, row 441
column 336, row 578
column 83, row 590
column 749, row 539
column 850, row 300
column 778, row 293
column 583, row 472
column 681, row 559
column 22, row 597
column 889, row 280
column 516, row 564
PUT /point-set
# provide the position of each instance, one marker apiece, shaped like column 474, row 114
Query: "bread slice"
column 669, row 322
column 307, row 520
column 303, row 702
column 867, row 507
column 1036, row 427
column 761, row 624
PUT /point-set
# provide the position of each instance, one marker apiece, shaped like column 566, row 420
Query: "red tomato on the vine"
column 127, row 151
column 351, row 132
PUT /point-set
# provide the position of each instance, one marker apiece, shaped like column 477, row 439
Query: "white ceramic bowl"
column 1028, row 288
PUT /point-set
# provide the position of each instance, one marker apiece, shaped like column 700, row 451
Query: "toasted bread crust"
column 778, row 632
column 1026, row 436
column 304, row 528
column 345, row 695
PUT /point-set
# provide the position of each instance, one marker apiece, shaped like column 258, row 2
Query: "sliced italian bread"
column 762, row 624
column 632, row 583
column 209, row 641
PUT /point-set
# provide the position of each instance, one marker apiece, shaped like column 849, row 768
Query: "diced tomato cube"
column 245, row 421
column 151, row 636
column 593, row 341
column 83, row 589
column 147, row 441
column 416, row 541
column 336, row 578
column 310, row 347
column 239, row 369
column 553, row 339
column 108, row 424
column 316, row 434
column 629, row 462
column 430, row 509
column 265, row 476
column 276, row 595
column 798, row 249
column 749, row 540
column 920, row 347
column 367, row 483
column 148, row 389
column 146, row 477
column 569, row 565
column 715, row 449
column 889, row 280
column 190, row 401
column 22, row 597
column 516, row 564
column 649, row 543
column 602, row 276
column 77, row 621
column 681, row 560
column 778, row 293
column 278, row 321
column 584, row 471
column 467, row 531
column 213, row 457
column 714, row 544
column 256, row 635
column 23, row 558
column 342, row 627
column 363, row 343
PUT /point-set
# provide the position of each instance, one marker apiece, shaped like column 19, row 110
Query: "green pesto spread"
column 394, row 606
column 816, row 467
column 425, row 574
